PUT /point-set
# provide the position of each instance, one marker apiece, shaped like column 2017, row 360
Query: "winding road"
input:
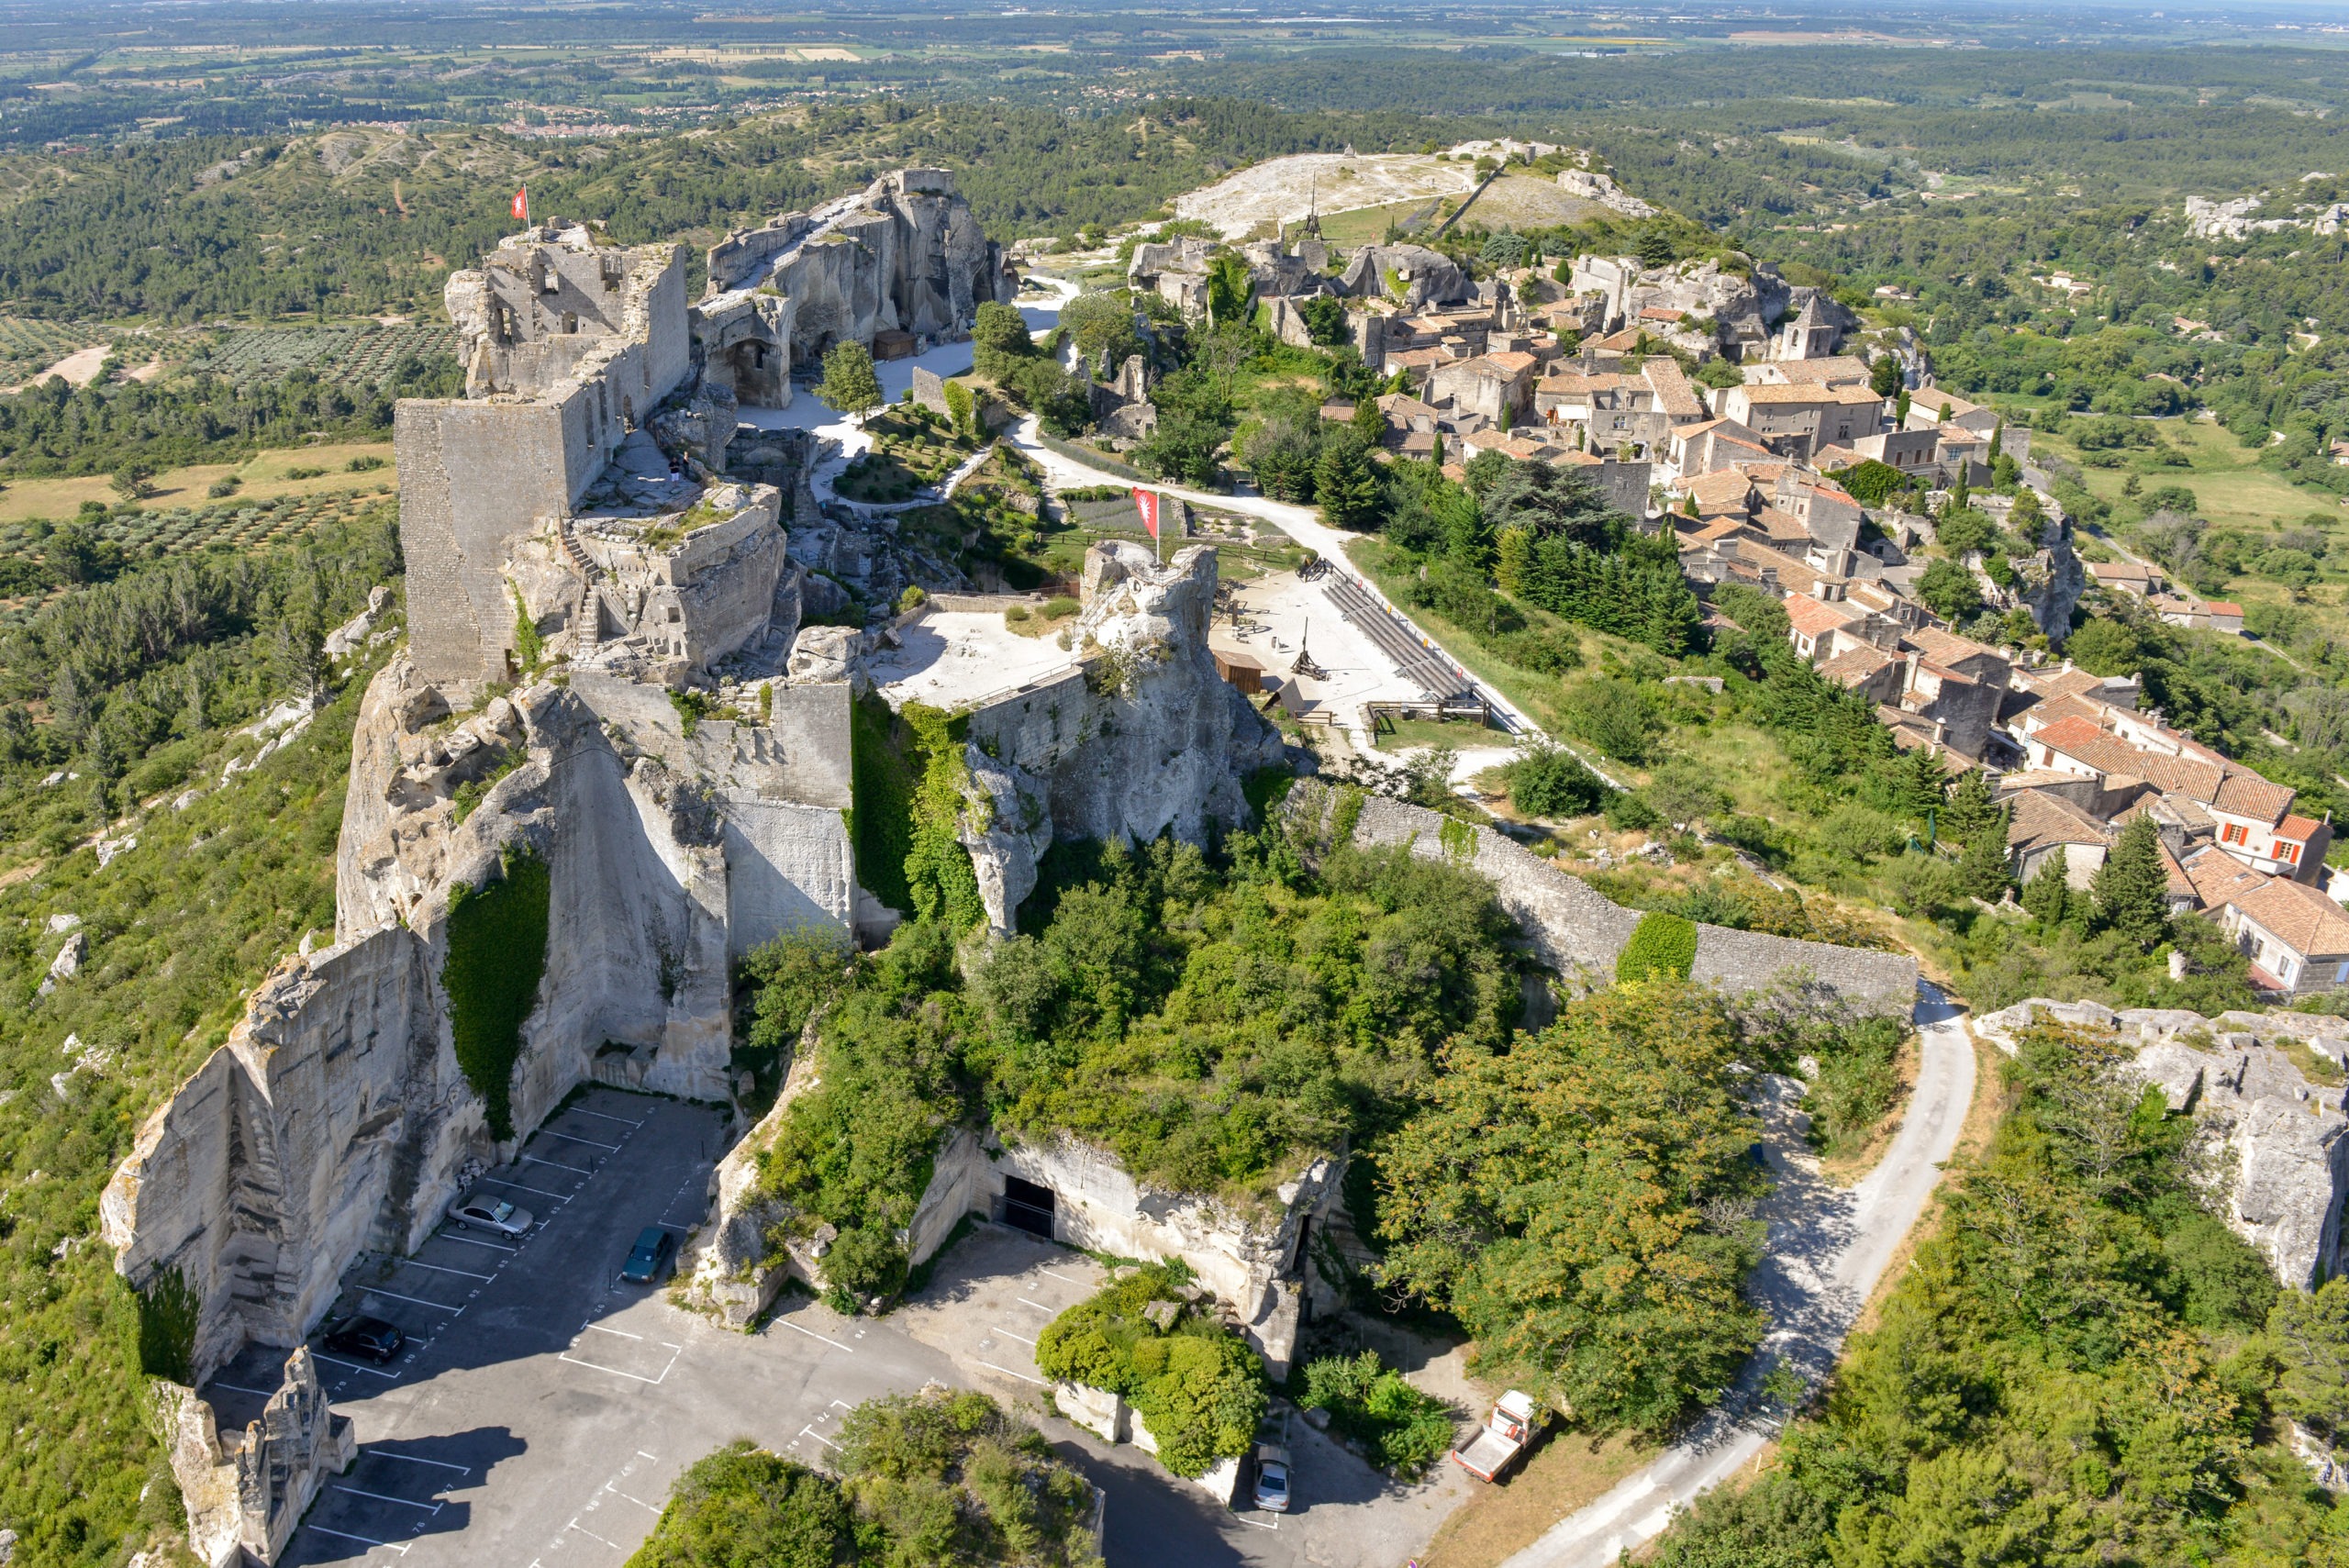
column 1828, row 1248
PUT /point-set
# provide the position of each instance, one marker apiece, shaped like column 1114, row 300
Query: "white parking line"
column 436, row 1268
column 500, row 1182
column 1009, row 1335
column 493, row 1246
column 1260, row 1524
column 418, row 1300
column 591, row 1535
column 601, row 1117
column 374, row 1370
column 616, row 1371
column 386, row 1498
column 621, row 1332
column 400, row 1546
column 812, row 1432
column 813, row 1335
column 559, row 1165
column 1079, row 1283
column 239, row 1389
column 1020, row 1375
column 574, row 1138
column 435, row 1463
column 1039, row 1306
column 639, row 1502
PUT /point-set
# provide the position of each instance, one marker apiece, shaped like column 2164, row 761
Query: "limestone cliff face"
column 2279, row 1144
column 1143, row 738
column 908, row 257
column 334, row 1119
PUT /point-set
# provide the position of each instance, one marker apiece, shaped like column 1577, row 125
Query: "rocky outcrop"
column 1142, row 738
column 334, row 1119
column 1409, row 275
column 2280, row 1144
column 246, row 1491
column 907, row 256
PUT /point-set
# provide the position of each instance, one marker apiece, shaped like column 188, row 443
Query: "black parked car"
column 370, row 1337
column 654, row 1257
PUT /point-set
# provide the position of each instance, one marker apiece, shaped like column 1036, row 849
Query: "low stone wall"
column 1577, row 931
column 2280, row 1144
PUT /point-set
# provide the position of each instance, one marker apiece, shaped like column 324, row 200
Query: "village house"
column 2127, row 576
column 1797, row 420
column 1612, row 411
column 2297, row 939
column 1496, row 388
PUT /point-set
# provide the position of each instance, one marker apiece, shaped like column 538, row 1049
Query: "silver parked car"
column 492, row 1214
column 1272, row 1478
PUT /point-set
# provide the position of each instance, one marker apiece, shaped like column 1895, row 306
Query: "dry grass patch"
column 1569, row 1472
column 263, row 477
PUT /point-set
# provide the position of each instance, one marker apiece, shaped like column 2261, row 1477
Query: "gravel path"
column 1828, row 1247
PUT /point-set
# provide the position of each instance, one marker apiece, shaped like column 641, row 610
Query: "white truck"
column 1512, row 1425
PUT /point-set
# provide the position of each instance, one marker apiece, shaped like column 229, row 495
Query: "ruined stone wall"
column 246, row 1491
column 474, row 477
column 334, row 1119
column 1578, row 932
column 744, row 253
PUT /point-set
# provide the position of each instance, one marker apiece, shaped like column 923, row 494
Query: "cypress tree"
column 1972, row 811
column 2048, row 895
column 2131, row 889
column 1982, row 870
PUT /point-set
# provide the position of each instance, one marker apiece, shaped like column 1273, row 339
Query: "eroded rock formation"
column 1142, row 738
column 2279, row 1143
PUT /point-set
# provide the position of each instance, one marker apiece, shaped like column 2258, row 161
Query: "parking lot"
column 539, row 1410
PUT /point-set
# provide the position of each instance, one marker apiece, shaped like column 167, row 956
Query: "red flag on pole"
column 1146, row 502
column 522, row 204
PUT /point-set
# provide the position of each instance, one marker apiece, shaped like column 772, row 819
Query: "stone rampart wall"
column 1578, row 932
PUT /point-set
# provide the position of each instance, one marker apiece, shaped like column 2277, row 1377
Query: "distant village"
column 1589, row 373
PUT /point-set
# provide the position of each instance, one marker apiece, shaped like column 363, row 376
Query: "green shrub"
column 169, row 1314
column 1661, row 944
column 1060, row 605
column 497, row 954
column 1549, row 781
column 932, row 1478
column 1195, row 1385
column 1016, row 614
column 1405, row 1429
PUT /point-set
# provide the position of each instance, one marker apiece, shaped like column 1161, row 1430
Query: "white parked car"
column 490, row 1214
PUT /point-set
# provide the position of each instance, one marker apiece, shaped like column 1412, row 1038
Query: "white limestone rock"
column 1145, row 740
column 2279, row 1145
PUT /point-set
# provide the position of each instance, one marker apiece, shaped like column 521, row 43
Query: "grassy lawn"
column 265, row 476
column 1367, row 226
column 1407, row 734
column 2229, row 487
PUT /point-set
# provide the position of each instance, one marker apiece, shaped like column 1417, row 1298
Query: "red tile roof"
column 2299, row 829
column 1813, row 619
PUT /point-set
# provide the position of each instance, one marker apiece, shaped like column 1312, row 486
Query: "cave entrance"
column 1026, row 1206
column 758, row 367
